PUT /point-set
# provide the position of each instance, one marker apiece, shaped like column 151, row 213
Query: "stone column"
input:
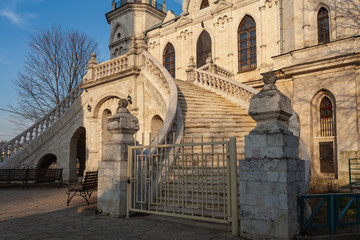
column 112, row 185
column 272, row 176
column 190, row 73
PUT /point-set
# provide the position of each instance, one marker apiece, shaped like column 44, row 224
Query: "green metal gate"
column 194, row 180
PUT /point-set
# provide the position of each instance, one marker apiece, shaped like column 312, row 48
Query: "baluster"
column 31, row 135
column 9, row 149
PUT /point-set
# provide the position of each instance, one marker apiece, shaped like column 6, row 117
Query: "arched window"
column 203, row 48
column 247, row 44
column 326, row 118
column 204, row 4
column 169, row 59
column 323, row 26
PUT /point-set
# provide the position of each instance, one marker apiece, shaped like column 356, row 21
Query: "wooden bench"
column 26, row 175
column 84, row 190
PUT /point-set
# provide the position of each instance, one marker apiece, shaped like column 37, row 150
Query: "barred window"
column 169, row 59
column 247, row 44
column 326, row 118
column 323, row 26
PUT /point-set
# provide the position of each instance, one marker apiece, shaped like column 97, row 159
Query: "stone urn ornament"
column 270, row 108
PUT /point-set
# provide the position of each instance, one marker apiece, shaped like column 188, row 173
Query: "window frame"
column 172, row 62
column 323, row 27
column 248, row 30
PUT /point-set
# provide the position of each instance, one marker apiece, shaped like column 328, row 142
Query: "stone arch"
column 156, row 124
column 203, row 48
column 102, row 100
column 77, row 158
column 324, row 146
column 47, row 161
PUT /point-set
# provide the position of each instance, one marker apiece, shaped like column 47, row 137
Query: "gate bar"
column 234, row 187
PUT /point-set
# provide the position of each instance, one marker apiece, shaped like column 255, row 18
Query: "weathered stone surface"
column 112, row 186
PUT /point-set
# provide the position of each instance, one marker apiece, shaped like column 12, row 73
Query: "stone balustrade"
column 111, row 67
column 210, row 66
column 161, row 79
column 25, row 138
column 234, row 91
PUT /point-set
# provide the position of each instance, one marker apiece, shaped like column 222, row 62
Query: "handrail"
column 21, row 141
column 218, row 70
column 234, row 91
column 160, row 73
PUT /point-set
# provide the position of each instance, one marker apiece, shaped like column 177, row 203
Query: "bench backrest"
column 90, row 180
column 30, row 174
column 13, row 174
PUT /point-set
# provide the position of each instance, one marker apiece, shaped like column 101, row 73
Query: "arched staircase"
column 206, row 107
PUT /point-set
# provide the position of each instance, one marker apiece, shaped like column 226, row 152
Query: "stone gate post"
column 272, row 176
column 112, row 185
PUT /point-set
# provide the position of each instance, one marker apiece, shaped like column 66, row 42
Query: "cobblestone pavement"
column 41, row 213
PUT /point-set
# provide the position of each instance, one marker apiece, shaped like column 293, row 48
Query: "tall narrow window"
column 326, row 118
column 203, row 48
column 169, row 59
column 204, row 4
column 323, row 26
column 247, row 44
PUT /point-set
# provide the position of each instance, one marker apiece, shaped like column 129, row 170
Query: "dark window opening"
column 203, row 48
column 323, row 26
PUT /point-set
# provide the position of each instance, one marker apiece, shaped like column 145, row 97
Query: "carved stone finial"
column 92, row 61
column 123, row 121
column 269, row 80
column 123, row 103
column 191, row 63
column 113, row 5
column 270, row 108
column 209, row 59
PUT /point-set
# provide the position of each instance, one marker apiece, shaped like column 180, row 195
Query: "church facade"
column 313, row 46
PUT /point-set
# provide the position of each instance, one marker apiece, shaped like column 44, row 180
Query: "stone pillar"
column 272, row 176
column 190, row 73
column 112, row 186
column 210, row 63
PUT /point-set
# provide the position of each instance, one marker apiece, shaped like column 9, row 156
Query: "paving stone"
column 52, row 219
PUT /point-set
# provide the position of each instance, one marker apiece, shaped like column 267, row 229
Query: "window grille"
column 326, row 118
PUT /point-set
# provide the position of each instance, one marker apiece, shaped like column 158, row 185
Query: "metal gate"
column 194, row 180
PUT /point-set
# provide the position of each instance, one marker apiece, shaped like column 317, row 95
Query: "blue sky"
column 21, row 18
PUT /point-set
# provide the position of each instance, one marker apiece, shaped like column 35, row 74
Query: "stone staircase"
column 210, row 117
column 194, row 185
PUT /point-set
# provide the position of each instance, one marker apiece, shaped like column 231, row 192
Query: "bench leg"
column 70, row 197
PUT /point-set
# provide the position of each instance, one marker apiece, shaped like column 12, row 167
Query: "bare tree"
column 55, row 64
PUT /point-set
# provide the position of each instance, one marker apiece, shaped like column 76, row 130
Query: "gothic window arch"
column 204, row 4
column 169, row 59
column 247, row 44
column 323, row 26
column 203, row 48
column 324, row 134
